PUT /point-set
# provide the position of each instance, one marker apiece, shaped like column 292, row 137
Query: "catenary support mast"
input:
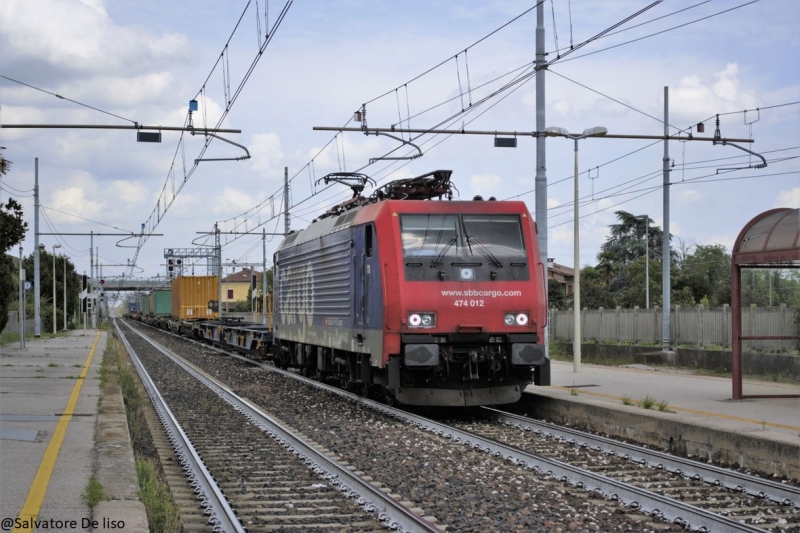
column 541, row 159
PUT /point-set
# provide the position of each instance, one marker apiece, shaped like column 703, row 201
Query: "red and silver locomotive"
column 414, row 300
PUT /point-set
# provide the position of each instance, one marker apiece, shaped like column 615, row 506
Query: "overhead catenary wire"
column 662, row 31
column 317, row 193
column 508, row 85
column 156, row 215
column 69, row 99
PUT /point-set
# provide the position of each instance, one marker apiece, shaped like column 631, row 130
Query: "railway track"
column 247, row 469
column 494, row 469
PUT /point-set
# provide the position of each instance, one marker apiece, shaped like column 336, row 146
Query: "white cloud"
column 486, row 185
column 265, row 148
column 78, row 35
column 695, row 97
column 789, row 198
column 73, row 200
column 687, row 196
column 127, row 192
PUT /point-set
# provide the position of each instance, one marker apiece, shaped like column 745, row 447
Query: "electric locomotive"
column 414, row 300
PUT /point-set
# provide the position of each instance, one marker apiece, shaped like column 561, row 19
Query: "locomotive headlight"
column 515, row 319
column 422, row 320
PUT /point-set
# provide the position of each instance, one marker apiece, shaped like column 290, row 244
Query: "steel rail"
column 221, row 515
column 390, row 512
column 668, row 509
column 714, row 475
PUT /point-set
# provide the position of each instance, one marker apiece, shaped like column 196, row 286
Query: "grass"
column 10, row 338
column 108, row 360
column 626, row 400
column 162, row 512
column 557, row 350
column 573, row 391
column 53, row 365
column 648, row 402
column 94, row 492
column 209, row 407
column 663, row 406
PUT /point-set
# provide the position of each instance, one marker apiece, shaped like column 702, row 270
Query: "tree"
column 74, row 287
column 12, row 231
column 556, row 295
column 637, row 280
column 707, row 274
column 594, row 291
column 626, row 244
column 12, row 227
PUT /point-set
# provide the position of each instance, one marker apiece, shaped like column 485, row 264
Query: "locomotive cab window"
column 430, row 235
column 368, row 240
column 499, row 234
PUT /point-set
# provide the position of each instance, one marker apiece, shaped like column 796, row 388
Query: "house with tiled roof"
column 564, row 275
column 236, row 285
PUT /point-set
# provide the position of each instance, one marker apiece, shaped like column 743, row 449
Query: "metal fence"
column 695, row 326
column 12, row 326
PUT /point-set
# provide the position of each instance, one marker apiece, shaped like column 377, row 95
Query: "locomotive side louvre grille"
column 345, row 219
column 319, row 290
column 319, row 229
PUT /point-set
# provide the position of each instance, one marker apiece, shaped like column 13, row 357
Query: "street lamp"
column 54, row 287
column 646, row 258
column 597, row 131
column 65, row 294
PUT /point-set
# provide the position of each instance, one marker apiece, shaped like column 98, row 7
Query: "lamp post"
column 597, row 131
column 54, row 287
column 65, row 294
column 646, row 258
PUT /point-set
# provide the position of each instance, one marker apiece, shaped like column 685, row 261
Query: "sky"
column 415, row 64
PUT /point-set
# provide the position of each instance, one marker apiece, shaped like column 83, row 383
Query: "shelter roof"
column 771, row 237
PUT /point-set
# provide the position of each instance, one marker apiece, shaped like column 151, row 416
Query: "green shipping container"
column 161, row 302
column 144, row 305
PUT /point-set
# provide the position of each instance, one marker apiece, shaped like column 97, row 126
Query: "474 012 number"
column 468, row 303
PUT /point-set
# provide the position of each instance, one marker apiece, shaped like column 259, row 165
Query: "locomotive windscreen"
column 428, row 235
column 500, row 234
column 431, row 235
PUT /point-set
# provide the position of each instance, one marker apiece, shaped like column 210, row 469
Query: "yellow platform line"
column 693, row 411
column 33, row 503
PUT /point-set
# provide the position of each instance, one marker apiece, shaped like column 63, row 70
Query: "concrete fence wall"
column 695, row 326
column 12, row 326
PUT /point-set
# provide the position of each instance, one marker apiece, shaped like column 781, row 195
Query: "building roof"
column 771, row 237
column 560, row 269
column 243, row 276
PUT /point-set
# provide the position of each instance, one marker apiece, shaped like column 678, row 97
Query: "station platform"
column 699, row 416
column 58, row 430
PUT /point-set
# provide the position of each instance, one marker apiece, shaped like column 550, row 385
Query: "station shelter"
column 768, row 241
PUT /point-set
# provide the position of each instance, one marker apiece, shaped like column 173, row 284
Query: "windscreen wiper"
column 484, row 251
column 439, row 257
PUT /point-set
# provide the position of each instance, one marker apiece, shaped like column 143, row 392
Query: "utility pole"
column 21, row 302
column 218, row 250
column 264, row 276
column 286, row 200
column 541, row 159
column 665, row 244
column 37, row 320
